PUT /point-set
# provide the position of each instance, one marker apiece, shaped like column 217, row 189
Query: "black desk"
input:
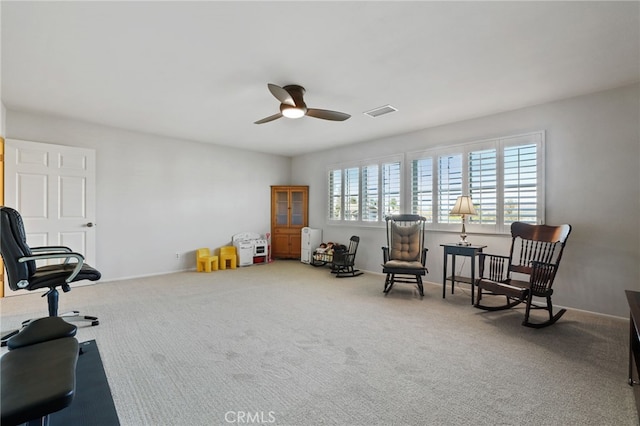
column 633, row 297
column 457, row 250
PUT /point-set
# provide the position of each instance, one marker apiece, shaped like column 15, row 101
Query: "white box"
column 311, row 240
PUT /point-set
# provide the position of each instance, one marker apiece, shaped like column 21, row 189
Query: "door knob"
column 90, row 225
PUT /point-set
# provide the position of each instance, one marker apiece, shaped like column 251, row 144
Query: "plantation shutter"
column 391, row 187
column 521, row 184
column 370, row 193
column 351, row 193
column 422, row 188
column 449, row 186
column 483, row 185
column 335, row 194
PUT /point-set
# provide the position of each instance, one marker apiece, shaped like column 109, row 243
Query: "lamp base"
column 463, row 243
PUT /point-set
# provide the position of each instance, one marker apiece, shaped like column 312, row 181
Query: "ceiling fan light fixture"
column 292, row 105
column 292, row 112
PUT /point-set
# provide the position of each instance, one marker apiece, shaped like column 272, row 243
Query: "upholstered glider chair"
column 343, row 264
column 23, row 274
column 526, row 273
column 405, row 255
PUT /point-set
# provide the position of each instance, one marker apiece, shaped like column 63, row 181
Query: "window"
column 391, row 188
column 483, row 185
column 449, row 185
column 422, row 188
column 351, row 199
column 504, row 178
column 335, row 194
column 368, row 191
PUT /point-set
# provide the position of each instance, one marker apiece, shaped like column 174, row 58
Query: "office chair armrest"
column 70, row 255
column 51, row 249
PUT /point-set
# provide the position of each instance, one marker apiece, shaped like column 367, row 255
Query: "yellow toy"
column 205, row 261
column 228, row 253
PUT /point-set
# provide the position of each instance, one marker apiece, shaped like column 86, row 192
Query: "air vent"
column 377, row 112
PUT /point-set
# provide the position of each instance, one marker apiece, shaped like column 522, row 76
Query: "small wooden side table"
column 459, row 250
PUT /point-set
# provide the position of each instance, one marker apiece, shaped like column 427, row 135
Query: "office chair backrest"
column 13, row 246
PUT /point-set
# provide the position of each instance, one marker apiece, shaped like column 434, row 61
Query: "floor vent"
column 377, row 112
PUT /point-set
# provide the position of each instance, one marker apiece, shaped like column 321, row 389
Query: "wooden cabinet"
column 289, row 214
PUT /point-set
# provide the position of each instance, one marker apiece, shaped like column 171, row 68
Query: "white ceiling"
column 199, row 70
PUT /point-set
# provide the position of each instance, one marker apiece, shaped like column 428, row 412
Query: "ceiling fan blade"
column 327, row 115
column 268, row 119
column 280, row 94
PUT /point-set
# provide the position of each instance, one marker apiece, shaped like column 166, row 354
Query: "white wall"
column 158, row 196
column 592, row 183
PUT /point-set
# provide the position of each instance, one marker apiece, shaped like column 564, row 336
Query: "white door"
column 53, row 188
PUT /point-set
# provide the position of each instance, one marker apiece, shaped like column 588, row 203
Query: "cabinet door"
column 298, row 202
column 280, row 245
column 281, row 207
column 295, row 245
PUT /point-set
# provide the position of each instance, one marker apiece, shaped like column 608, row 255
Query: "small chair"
column 228, row 254
column 343, row 260
column 205, row 261
column 405, row 255
column 536, row 251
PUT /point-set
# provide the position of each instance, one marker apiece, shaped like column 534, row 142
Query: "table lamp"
column 463, row 207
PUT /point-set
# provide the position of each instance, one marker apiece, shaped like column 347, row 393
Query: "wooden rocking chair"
column 405, row 255
column 343, row 264
column 535, row 252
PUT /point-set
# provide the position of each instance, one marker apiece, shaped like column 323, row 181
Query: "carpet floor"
column 289, row 344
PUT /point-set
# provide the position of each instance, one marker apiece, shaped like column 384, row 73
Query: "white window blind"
column 503, row 176
column 335, row 194
column 449, row 186
column 370, row 193
column 391, row 187
column 422, row 188
column 351, row 193
column 483, row 185
column 520, row 184
column 370, row 190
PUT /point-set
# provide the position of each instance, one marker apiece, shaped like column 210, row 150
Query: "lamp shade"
column 463, row 206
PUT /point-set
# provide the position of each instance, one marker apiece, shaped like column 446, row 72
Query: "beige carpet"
column 289, row 344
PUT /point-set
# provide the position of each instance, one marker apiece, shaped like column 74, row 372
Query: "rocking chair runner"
column 405, row 255
column 536, row 251
column 343, row 261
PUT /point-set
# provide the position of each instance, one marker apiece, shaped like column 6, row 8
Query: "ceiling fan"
column 292, row 105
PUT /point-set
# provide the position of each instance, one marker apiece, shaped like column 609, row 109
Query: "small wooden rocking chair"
column 343, row 264
column 535, row 252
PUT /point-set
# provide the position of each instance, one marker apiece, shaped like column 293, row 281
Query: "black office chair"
column 405, row 255
column 23, row 274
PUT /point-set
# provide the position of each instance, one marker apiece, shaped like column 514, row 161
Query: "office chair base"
column 76, row 314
